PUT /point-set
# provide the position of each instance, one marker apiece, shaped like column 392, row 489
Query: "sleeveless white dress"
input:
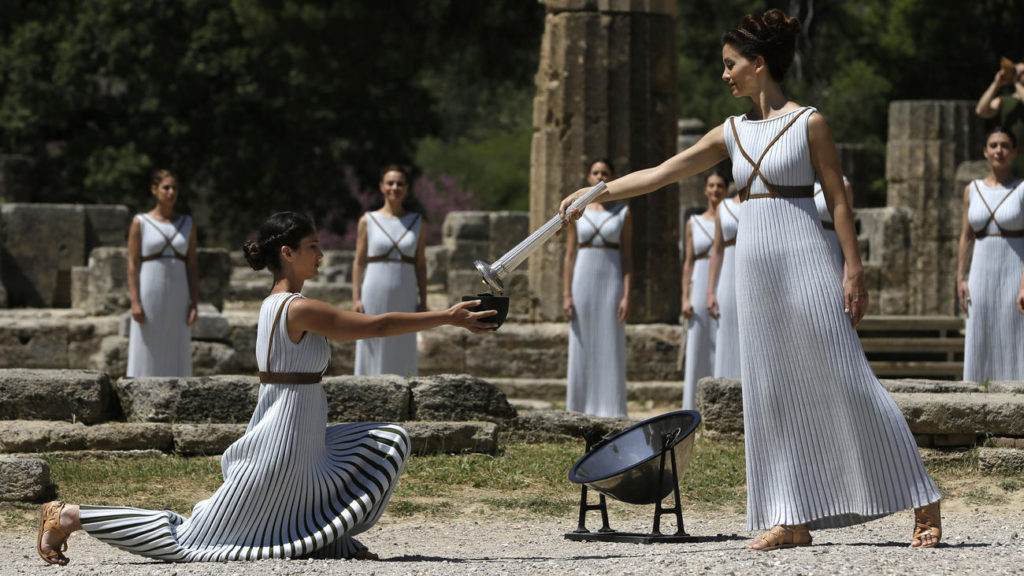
column 727, row 341
column 292, row 487
column 701, row 328
column 835, row 249
column 390, row 285
column 597, row 341
column 994, row 338
column 825, row 444
column 162, row 346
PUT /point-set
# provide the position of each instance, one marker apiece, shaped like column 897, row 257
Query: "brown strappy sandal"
column 49, row 521
column 928, row 526
column 783, row 537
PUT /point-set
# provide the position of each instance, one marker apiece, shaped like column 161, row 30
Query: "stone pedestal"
column 928, row 140
column 606, row 86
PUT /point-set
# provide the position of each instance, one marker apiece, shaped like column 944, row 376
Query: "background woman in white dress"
column 721, row 296
column 293, row 486
column 990, row 275
column 701, row 328
column 825, row 444
column 597, row 273
column 389, row 275
column 828, row 226
column 163, row 285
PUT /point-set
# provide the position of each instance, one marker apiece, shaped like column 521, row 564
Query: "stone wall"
column 470, row 236
column 928, row 141
column 606, row 86
column 44, row 242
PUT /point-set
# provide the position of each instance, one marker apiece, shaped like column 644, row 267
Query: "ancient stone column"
column 928, row 139
column 606, row 86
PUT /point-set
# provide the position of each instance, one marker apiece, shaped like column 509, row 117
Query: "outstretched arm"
column 309, row 315
column 707, row 152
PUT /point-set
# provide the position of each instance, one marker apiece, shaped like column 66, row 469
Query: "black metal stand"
column 607, row 534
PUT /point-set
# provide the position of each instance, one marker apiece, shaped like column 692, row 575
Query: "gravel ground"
column 976, row 541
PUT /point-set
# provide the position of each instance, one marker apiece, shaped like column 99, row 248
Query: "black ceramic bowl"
column 491, row 302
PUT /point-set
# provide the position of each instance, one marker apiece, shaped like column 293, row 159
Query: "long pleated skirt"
column 292, row 488
column 597, row 341
column 388, row 287
column 701, row 331
column 994, row 339
column 825, row 443
column 727, row 341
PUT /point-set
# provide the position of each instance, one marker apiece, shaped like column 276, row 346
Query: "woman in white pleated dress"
column 293, row 486
column 825, row 444
column 163, row 285
column 835, row 250
column 389, row 274
column 721, row 296
column 597, row 273
column 990, row 275
column 701, row 328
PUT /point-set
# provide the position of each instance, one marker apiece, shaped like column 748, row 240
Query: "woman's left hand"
column 623, row 310
column 193, row 314
column 856, row 297
column 1020, row 301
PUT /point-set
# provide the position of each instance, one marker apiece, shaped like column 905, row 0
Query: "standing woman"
column 293, row 486
column 826, row 446
column 835, row 249
column 163, row 285
column 721, row 297
column 597, row 272
column 990, row 275
column 389, row 275
column 701, row 328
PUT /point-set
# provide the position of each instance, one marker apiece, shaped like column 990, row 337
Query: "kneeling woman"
column 292, row 485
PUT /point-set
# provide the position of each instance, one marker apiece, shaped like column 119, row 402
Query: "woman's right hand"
column 687, row 308
column 568, row 308
column 138, row 314
column 566, row 202
column 964, row 295
column 463, row 318
column 357, row 306
column 713, row 305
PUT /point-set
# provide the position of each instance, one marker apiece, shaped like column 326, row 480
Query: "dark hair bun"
column 784, row 29
column 771, row 36
column 254, row 255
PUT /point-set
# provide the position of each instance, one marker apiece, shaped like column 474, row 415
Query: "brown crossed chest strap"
column 992, row 216
column 774, row 191
column 168, row 241
column 731, row 242
column 394, row 243
column 707, row 251
column 268, row 377
column 589, row 243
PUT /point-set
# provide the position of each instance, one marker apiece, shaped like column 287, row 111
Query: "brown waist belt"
column 780, row 192
column 406, row 259
column 160, row 256
column 290, row 377
column 700, row 256
column 1004, row 234
column 828, row 225
column 609, row 246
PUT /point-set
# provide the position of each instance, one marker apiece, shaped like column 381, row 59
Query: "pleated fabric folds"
column 727, row 341
column 826, row 445
column 293, row 487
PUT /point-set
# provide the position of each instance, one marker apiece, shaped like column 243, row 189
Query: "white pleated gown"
column 162, row 346
column 390, row 286
column 834, row 248
column 727, row 341
column 597, row 341
column 825, row 444
column 701, row 328
column 292, row 485
column 994, row 339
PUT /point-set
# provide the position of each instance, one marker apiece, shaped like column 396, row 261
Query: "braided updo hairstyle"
column 281, row 229
column 772, row 36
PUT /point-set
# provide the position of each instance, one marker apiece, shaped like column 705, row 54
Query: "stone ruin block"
column 458, row 397
column 382, row 398
column 226, row 399
column 506, row 230
column 43, row 242
column 24, row 479
column 37, row 394
column 106, row 224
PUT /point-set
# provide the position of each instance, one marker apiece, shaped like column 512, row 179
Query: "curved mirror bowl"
column 626, row 466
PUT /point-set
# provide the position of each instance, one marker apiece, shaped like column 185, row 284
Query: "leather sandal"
column 49, row 521
column 782, row 537
column 928, row 526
